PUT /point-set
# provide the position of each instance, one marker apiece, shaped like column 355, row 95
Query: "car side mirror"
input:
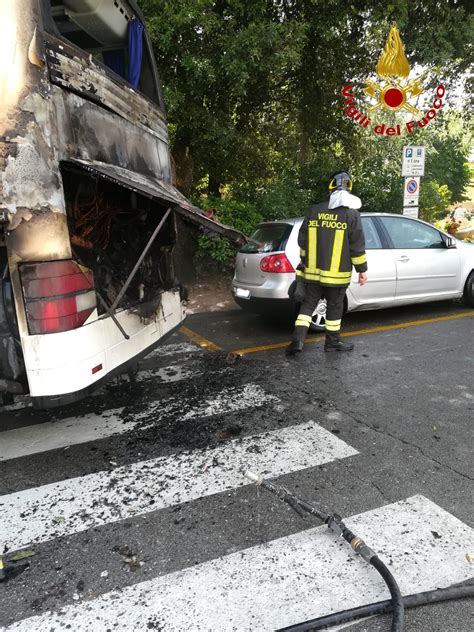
column 450, row 242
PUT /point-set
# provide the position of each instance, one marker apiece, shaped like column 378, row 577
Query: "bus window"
column 110, row 31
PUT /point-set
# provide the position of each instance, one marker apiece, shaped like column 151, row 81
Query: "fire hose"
column 396, row 604
column 336, row 524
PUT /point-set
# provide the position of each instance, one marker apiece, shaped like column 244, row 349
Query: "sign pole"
column 413, row 168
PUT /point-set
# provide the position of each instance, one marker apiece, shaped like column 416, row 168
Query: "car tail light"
column 276, row 263
column 59, row 295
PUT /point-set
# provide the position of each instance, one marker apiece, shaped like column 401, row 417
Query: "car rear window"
column 269, row 238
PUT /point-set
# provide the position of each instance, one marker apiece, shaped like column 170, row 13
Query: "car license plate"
column 241, row 293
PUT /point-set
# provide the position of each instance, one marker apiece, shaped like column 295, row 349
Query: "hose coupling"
column 361, row 548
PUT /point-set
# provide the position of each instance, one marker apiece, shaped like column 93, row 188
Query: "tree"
column 377, row 167
column 221, row 63
column 449, row 147
column 253, row 91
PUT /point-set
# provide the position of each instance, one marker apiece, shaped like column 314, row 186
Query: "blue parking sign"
column 413, row 160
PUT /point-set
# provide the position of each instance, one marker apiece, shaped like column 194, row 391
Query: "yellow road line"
column 357, row 332
column 199, row 340
column 413, row 323
column 276, row 345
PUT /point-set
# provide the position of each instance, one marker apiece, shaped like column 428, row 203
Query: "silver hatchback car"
column 410, row 261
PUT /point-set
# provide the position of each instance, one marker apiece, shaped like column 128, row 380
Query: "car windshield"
column 268, row 238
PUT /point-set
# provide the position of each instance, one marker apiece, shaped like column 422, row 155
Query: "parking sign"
column 413, row 163
column 411, row 191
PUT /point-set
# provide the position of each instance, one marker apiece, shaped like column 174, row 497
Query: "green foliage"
column 434, row 200
column 285, row 198
column 377, row 168
column 255, row 111
column 218, row 63
column 450, row 145
column 241, row 215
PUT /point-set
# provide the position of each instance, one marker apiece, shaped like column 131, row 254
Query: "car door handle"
column 404, row 259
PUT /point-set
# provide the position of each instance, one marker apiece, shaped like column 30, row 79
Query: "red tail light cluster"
column 276, row 263
column 59, row 295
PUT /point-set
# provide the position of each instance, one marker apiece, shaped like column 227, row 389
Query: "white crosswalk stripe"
column 125, row 492
column 231, row 399
column 285, row 581
column 74, row 430
column 61, row 433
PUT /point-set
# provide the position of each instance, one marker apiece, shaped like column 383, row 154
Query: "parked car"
column 409, row 261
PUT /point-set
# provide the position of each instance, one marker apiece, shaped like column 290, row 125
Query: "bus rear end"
column 89, row 214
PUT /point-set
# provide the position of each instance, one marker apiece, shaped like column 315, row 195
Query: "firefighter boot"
column 334, row 343
column 295, row 346
column 297, row 342
column 302, row 323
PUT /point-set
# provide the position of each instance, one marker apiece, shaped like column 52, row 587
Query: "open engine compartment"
column 109, row 227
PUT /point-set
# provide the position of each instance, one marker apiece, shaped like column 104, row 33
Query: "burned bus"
column 90, row 217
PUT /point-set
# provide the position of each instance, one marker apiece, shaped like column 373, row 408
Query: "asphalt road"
column 139, row 518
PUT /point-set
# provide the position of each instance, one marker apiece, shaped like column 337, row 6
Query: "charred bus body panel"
column 88, row 209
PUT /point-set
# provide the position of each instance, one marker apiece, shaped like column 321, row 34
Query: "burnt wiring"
column 109, row 230
column 93, row 221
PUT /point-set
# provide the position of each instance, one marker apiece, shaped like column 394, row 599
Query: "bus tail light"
column 59, row 295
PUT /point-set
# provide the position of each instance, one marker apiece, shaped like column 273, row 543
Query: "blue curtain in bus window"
column 135, row 51
column 115, row 60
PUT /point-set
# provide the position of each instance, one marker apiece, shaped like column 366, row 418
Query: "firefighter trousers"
column 314, row 292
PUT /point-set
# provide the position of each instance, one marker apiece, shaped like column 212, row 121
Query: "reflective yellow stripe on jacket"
column 328, row 277
column 312, row 248
column 359, row 260
column 337, row 250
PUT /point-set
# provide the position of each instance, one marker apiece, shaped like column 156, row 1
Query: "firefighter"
column 331, row 241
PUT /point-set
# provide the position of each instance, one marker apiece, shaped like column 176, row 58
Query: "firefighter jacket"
column 331, row 242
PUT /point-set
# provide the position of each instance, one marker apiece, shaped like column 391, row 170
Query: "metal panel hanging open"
column 156, row 189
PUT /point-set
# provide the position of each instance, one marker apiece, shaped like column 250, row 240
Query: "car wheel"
column 468, row 295
column 319, row 317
